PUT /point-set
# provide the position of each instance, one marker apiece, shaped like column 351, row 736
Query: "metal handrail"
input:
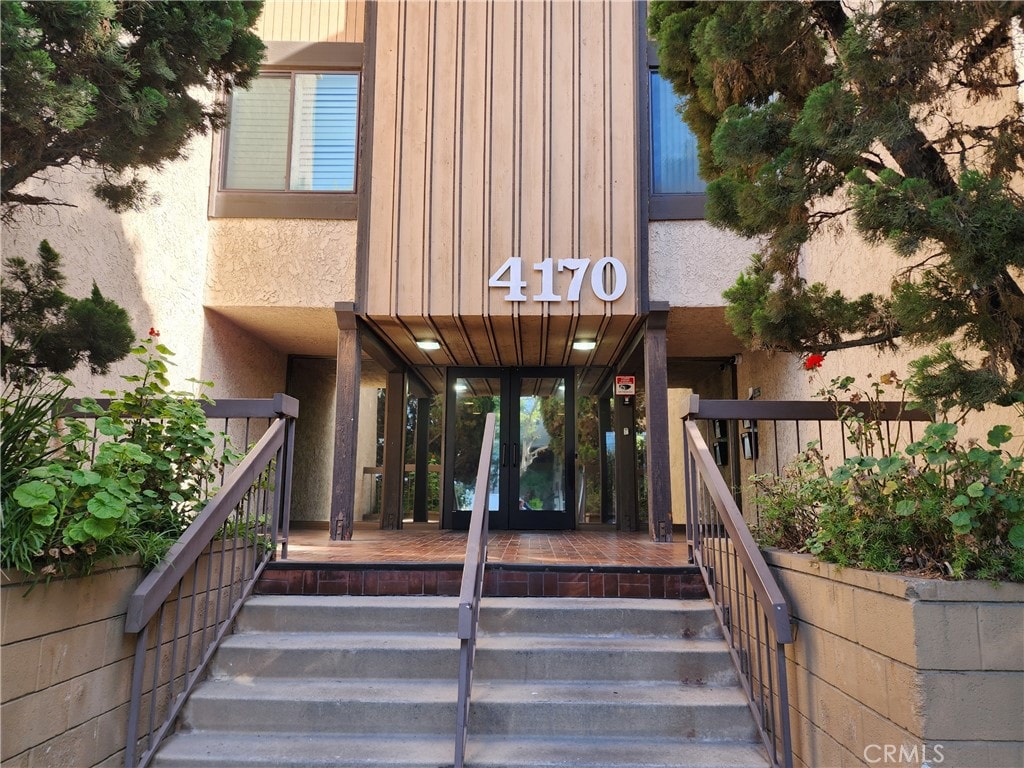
column 754, row 565
column 472, row 587
column 244, row 516
column 748, row 602
column 739, row 583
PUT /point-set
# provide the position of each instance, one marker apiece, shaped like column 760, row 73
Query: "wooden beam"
column 346, row 424
column 625, row 465
column 394, row 452
column 659, row 481
column 419, row 512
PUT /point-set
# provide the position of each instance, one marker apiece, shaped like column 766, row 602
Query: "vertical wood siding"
column 330, row 21
column 501, row 128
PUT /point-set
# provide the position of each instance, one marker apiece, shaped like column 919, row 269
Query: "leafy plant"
column 46, row 331
column 936, row 506
column 817, row 116
column 128, row 477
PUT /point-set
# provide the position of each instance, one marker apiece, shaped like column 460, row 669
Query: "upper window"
column 677, row 190
column 293, row 133
column 673, row 146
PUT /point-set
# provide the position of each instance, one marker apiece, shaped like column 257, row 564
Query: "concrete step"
column 323, row 705
column 653, row 710
column 560, row 657
column 639, row 710
column 584, row 616
column 212, row 749
column 298, row 613
column 505, row 657
column 372, row 681
column 338, row 655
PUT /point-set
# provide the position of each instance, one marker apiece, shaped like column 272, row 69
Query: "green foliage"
column 45, row 330
column 936, row 506
column 132, row 484
column 807, row 112
column 115, row 84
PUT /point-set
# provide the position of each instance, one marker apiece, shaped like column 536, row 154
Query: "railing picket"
column 733, row 567
column 471, row 589
column 244, row 499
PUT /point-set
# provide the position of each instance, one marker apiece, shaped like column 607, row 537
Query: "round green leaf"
column 107, row 426
column 44, row 516
column 942, row 431
column 107, row 506
column 961, row 521
column 976, row 490
column 1016, row 535
column 99, row 528
column 905, row 507
column 34, row 493
column 998, row 435
column 85, row 477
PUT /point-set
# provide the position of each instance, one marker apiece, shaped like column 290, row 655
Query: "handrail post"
column 233, row 520
column 471, row 589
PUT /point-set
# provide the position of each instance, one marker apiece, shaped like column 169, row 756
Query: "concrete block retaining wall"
column 888, row 670
column 67, row 667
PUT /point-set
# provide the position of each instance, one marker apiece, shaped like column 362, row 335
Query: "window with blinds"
column 294, row 132
column 674, row 167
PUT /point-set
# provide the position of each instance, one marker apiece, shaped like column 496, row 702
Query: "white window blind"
column 257, row 156
column 322, row 113
column 324, row 132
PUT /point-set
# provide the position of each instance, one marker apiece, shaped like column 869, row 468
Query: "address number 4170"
column 510, row 276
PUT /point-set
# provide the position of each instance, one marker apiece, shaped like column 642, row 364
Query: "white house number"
column 510, row 276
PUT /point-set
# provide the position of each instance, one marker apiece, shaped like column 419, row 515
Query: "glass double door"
column 533, row 459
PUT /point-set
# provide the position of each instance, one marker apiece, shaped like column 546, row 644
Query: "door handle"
column 504, row 454
column 515, row 454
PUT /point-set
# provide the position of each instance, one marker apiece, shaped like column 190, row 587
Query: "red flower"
column 154, row 332
column 813, row 361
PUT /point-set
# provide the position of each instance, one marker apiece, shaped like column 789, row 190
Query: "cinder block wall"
column 67, row 667
column 894, row 671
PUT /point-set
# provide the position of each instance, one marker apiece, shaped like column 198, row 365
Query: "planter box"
column 888, row 670
column 67, row 667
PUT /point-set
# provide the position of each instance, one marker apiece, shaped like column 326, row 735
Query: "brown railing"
column 183, row 609
column 472, row 587
column 750, row 607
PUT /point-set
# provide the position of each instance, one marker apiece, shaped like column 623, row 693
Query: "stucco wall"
column 153, row 263
column 690, row 263
column 281, row 262
column 312, row 381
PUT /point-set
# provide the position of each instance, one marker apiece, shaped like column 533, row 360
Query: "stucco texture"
column 153, row 263
column 691, row 262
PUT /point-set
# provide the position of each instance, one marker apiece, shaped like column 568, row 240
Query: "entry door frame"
column 508, row 516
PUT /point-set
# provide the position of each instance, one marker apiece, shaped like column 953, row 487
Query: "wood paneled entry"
column 533, row 462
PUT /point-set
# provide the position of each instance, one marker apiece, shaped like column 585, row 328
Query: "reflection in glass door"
column 539, row 454
column 532, row 465
column 469, row 401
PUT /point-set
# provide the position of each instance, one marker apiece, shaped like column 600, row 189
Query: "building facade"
column 424, row 211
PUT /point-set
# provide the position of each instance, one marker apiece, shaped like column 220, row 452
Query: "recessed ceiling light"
column 429, row 345
column 584, row 344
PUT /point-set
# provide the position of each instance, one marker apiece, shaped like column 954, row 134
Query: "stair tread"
column 213, row 748
column 411, row 690
column 431, row 640
column 334, row 641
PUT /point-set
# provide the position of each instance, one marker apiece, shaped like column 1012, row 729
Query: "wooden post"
column 346, row 423
column 659, row 480
column 394, row 452
column 419, row 512
column 625, row 465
